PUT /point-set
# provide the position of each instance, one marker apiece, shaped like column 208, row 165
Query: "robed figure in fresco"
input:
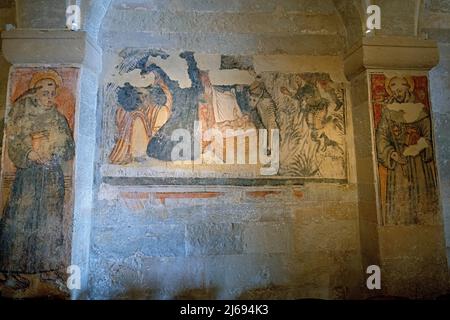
column 39, row 140
column 405, row 148
column 138, row 119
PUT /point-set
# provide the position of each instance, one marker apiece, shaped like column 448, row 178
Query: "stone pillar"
column 440, row 84
column 404, row 236
column 57, row 50
column 7, row 16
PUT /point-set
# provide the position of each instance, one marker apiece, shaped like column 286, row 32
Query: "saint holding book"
column 39, row 141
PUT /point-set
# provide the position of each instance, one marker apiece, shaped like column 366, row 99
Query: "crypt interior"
column 210, row 149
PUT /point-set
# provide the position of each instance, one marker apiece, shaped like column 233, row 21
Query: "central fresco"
column 219, row 116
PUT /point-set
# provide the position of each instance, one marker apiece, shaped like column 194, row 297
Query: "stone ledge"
column 51, row 47
column 394, row 53
column 440, row 35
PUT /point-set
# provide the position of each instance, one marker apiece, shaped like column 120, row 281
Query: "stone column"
column 54, row 50
column 404, row 236
column 7, row 16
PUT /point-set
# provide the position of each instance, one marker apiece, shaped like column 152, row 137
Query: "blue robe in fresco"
column 184, row 110
column 31, row 227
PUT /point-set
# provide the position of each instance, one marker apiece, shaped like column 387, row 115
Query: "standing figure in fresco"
column 405, row 148
column 139, row 118
column 38, row 142
column 261, row 100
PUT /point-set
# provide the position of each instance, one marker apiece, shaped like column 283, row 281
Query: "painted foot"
column 56, row 279
column 16, row 282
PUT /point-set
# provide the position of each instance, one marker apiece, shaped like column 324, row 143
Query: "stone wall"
column 310, row 240
column 7, row 16
column 227, row 242
column 436, row 25
column 249, row 27
column 217, row 242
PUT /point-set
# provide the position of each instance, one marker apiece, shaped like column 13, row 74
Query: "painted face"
column 46, row 92
column 399, row 88
column 205, row 80
column 298, row 80
column 253, row 101
column 144, row 96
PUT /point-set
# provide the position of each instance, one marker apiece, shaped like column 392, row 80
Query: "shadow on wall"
column 198, row 294
column 271, row 253
column 44, row 286
column 140, row 293
column 267, row 293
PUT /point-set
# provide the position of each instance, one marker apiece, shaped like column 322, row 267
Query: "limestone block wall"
column 222, row 241
column 436, row 25
column 399, row 18
column 7, row 16
column 286, row 26
column 41, row 14
column 226, row 241
column 440, row 82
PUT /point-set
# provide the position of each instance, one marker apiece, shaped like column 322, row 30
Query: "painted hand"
column 285, row 91
column 398, row 158
column 34, row 156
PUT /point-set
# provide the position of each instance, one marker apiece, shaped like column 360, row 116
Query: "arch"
column 351, row 13
column 92, row 15
column 407, row 23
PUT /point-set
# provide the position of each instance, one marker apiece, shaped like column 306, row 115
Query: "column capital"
column 390, row 53
column 51, row 47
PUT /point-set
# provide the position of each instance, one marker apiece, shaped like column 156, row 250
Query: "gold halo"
column 48, row 74
column 407, row 78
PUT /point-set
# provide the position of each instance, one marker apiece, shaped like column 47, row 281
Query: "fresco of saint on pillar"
column 36, row 175
column 404, row 146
